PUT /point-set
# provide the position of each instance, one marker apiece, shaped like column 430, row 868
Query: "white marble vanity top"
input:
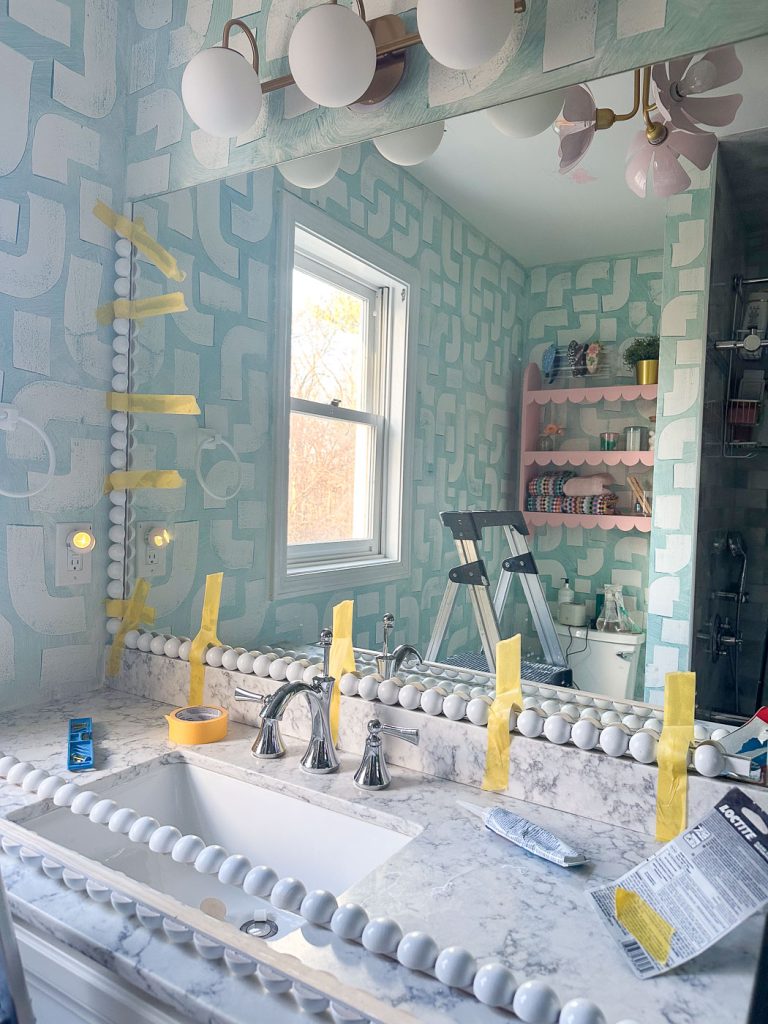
column 455, row 880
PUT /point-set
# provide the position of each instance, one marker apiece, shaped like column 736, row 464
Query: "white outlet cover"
column 150, row 562
column 66, row 571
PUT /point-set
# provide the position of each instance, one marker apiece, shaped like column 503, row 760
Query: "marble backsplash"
column 616, row 791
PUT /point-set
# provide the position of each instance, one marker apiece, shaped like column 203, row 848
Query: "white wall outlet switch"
column 74, row 554
column 150, row 555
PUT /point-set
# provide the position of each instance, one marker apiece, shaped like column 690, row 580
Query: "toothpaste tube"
column 529, row 836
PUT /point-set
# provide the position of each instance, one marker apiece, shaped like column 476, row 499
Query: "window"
column 341, row 483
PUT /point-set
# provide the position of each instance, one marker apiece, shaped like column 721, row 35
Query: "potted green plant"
column 642, row 355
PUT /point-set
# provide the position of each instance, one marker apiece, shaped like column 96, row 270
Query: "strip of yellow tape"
column 209, row 621
column 139, row 309
column 141, row 479
column 672, row 755
column 342, row 657
column 116, row 609
column 509, row 695
column 135, row 612
column 137, row 234
column 649, row 928
column 177, row 405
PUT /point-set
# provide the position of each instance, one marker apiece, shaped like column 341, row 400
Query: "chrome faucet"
column 387, row 664
column 320, row 756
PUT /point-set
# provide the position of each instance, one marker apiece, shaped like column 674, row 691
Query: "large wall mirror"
column 374, row 344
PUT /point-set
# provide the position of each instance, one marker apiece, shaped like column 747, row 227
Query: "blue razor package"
column 80, row 745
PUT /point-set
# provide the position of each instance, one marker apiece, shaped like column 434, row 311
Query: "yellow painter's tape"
column 143, row 479
column 206, row 635
column 190, row 726
column 342, row 657
column 672, row 755
column 649, row 928
column 177, row 405
column 135, row 613
column 509, row 695
column 116, row 609
column 139, row 309
column 137, row 234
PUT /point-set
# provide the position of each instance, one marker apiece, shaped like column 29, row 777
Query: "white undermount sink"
column 323, row 848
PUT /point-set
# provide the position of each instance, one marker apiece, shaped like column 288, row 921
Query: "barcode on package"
column 639, row 959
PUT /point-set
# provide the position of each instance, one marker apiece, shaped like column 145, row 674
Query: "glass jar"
column 614, row 617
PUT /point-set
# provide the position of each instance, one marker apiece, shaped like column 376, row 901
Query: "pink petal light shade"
column 669, row 177
column 576, row 126
column 677, row 85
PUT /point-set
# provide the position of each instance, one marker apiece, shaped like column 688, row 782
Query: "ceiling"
column 510, row 189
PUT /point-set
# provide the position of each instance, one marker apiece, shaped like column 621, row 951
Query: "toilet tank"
column 602, row 663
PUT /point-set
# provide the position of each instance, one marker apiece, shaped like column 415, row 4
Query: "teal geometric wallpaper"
column 61, row 149
column 226, row 236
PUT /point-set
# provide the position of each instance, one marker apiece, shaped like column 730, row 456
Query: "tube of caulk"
column 525, row 833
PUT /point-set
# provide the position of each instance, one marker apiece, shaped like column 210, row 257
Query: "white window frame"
column 309, row 569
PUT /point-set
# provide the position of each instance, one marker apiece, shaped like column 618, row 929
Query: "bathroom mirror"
column 370, row 352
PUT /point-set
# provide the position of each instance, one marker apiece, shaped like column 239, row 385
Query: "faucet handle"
column 389, row 624
column 409, row 735
column 373, row 772
column 325, row 641
column 242, row 694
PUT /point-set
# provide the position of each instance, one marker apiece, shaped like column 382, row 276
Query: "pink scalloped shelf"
column 624, row 523
column 591, row 458
column 589, row 396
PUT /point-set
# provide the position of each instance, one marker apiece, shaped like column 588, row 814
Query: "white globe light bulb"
column 332, row 55
column 463, row 34
column 700, row 77
column 311, row 171
column 221, row 92
column 412, row 145
column 522, row 119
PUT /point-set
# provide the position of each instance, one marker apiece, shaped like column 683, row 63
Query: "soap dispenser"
column 565, row 594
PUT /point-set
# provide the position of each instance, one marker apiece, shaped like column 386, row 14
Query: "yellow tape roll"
column 509, row 695
column 197, row 724
column 672, row 755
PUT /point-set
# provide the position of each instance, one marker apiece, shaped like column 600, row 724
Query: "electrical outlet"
column 72, row 568
column 150, row 559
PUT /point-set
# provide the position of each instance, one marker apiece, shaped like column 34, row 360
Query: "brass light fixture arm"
column 607, row 118
column 387, row 49
column 654, row 131
column 250, row 36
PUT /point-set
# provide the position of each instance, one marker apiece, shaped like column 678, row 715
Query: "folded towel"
column 596, row 505
column 580, row 486
column 549, row 483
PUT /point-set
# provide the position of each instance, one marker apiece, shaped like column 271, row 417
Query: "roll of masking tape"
column 200, row 724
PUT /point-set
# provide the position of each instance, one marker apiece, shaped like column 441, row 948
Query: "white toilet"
column 602, row 663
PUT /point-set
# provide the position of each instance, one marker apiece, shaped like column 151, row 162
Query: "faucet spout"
column 320, row 756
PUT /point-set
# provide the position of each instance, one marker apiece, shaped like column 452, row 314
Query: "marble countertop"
column 455, row 880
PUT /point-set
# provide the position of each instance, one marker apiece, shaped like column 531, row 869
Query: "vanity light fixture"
column 221, row 90
column 672, row 123
column 332, row 54
column 412, row 145
column 464, row 34
column 338, row 59
column 522, row 119
column 312, row 171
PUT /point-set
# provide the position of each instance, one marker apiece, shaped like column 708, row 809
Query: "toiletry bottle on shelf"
column 565, row 594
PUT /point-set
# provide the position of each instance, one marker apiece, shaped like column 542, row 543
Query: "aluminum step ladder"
column 467, row 531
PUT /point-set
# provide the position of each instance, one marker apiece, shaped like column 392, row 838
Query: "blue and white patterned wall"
column 61, row 126
column 555, row 43
column 611, row 301
column 226, row 236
